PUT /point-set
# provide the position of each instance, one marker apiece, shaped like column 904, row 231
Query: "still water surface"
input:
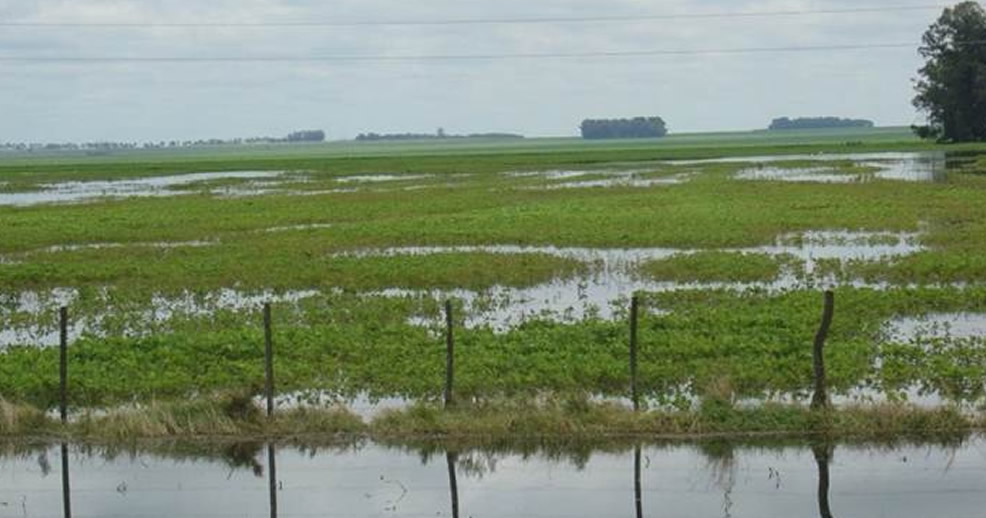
column 674, row 480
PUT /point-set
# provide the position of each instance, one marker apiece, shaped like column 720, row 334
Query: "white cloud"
column 144, row 101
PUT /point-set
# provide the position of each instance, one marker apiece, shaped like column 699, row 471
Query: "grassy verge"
column 571, row 418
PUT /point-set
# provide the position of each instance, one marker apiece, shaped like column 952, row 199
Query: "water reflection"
column 66, row 486
column 823, row 455
column 637, row 497
column 272, row 479
column 718, row 478
column 450, row 461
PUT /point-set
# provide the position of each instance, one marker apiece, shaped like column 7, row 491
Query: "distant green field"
column 685, row 145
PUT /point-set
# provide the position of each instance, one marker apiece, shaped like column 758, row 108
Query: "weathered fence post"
column 634, row 305
column 820, row 398
column 449, row 354
column 63, row 363
column 268, row 361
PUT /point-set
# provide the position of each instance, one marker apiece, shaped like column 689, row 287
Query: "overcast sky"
column 153, row 100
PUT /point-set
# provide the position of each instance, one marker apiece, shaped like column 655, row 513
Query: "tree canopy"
column 785, row 123
column 951, row 87
column 637, row 127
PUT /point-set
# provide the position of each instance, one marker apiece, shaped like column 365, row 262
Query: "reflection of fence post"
column 450, row 459
column 634, row 304
column 66, row 491
column 63, row 363
column 820, row 398
column 268, row 361
column 449, row 354
column 823, row 455
column 638, row 500
column 272, row 479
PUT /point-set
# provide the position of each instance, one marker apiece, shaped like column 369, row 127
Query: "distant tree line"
column 105, row 147
column 306, row 136
column 440, row 134
column 785, row 123
column 637, row 127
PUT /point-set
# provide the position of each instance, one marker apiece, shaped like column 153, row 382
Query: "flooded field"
column 539, row 257
column 612, row 276
column 912, row 167
column 677, row 480
column 139, row 187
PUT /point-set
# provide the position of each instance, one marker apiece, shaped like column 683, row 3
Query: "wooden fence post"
column 820, row 398
column 449, row 355
column 63, row 363
column 268, row 360
column 634, row 306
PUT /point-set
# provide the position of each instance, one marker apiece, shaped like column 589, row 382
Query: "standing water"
column 675, row 480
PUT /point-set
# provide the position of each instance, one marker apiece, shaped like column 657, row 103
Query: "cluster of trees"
column 306, row 136
column 785, row 123
column 637, row 127
column 951, row 86
column 440, row 134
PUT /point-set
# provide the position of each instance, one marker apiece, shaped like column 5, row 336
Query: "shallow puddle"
column 135, row 187
column 937, row 326
column 306, row 226
column 382, row 177
column 587, row 178
column 808, row 174
column 910, row 167
column 675, row 480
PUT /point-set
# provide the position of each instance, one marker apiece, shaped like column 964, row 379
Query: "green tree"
column 951, row 88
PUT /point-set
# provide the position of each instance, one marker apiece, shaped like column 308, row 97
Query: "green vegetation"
column 156, row 329
column 720, row 266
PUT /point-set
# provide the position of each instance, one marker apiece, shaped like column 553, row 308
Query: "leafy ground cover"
column 357, row 337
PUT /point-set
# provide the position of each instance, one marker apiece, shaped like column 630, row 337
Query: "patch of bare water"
column 304, row 226
column 806, row 174
column 99, row 246
column 363, row 405
column 134, row 187
column 364, row 480
column 381, row 177
column 909, row 167
column 587, row 178
column 551, row 174
column 936, row 326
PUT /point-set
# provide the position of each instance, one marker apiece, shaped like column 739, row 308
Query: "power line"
column 456, row 57
column 488, row 21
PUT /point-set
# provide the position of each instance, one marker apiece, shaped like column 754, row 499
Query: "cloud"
column 152, row 101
